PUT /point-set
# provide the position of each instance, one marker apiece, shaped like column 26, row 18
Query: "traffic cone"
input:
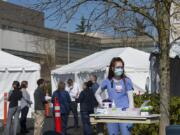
column 5, row 108
column 57, row 111
column 47, row 108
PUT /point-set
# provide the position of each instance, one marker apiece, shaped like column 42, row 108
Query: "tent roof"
column 14, row 63
column 134, row 60
column 175, row 50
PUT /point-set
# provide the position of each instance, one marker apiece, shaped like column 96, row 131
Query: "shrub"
column 153, row 129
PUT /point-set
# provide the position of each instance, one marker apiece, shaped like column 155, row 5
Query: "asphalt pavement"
column 49, row 126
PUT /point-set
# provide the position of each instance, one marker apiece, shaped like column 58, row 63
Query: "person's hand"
column 77, row 95
column 47, row 98
column 30, row 102
column 100, row 105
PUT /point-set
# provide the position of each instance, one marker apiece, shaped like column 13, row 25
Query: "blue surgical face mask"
column 118, row 71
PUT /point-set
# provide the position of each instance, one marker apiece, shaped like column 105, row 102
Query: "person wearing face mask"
column 120, row 91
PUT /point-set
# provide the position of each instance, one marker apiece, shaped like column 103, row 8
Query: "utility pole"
column 68, row 44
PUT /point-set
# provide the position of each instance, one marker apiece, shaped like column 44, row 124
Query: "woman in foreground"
column 120, row 91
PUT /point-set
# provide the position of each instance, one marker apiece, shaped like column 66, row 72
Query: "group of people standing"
column 119, row 88
column 70, row 95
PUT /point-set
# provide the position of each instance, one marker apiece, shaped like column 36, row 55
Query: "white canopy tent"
column 15, row 68
column 175, row 50
column 136, row 67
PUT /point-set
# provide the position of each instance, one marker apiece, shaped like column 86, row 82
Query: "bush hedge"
column 153, row 129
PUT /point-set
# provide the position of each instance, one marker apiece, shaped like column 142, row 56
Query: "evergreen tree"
column 82, row 26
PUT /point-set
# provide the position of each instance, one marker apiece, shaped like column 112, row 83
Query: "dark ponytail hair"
column 88, row 84
column 112, row 64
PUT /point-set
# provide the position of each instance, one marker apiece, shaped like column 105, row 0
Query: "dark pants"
column 23, row 119
column 100, row 128
column 64, row 118
column 73, row 108
column 87, row 129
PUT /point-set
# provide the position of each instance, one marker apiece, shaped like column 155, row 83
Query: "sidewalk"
column 48, row 126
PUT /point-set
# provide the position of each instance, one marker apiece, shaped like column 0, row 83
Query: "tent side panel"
column 7, row 79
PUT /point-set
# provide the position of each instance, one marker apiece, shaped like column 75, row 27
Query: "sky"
column 85, row 11
column 71, row 27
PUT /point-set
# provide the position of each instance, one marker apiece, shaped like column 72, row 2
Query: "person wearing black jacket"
column 14, row 99
column 87, row 103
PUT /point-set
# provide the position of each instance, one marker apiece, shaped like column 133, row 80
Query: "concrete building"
column 106, row 42
column 142, row 43
column 22, row 33
column 21, row 14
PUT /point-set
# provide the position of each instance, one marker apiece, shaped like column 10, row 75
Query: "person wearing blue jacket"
column 64, row 99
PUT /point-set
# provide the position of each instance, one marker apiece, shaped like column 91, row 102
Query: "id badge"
column 118, row 88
